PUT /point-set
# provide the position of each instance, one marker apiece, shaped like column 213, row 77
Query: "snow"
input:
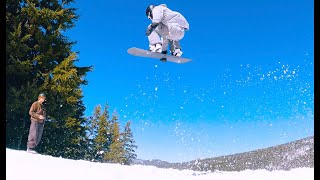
column 24, row 165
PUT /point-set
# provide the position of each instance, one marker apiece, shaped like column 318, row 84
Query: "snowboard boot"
column 32, row 151
column 175, row 48
column 177, row 52
column 156, row 48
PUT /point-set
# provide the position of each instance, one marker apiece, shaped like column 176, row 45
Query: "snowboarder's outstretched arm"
column 157, row 14
column 151, row 27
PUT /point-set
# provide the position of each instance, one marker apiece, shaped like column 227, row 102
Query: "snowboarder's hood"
column 164, row 5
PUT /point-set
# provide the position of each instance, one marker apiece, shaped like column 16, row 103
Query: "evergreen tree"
column 104, row 141
column 116, row 152
column 39, row 59
column 101, row 140
column 19, row 88
column 88, row 145
column 97, row 134
column 129, row 144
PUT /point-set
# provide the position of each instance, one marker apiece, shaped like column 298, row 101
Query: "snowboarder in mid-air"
column 167, row 27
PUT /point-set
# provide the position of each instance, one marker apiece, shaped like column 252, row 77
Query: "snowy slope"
column 295, row 154
column 26, row 166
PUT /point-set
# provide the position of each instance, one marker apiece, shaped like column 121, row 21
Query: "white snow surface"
column 24, row 165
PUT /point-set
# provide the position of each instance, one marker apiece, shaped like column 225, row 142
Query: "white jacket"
column 162, row 14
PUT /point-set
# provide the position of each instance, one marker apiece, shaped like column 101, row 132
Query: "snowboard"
column 148, row 54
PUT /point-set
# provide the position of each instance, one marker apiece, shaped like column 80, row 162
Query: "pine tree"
column 104, row 141
column 88, row 144
column 101, row 140
column 19, row 87
column 97, row 134
column 129, row 144
column 39, row 59
column 116, row 152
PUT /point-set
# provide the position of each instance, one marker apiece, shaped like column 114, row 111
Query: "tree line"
column 39, row 58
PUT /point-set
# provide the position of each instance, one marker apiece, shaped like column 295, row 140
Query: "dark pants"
column 35, row 134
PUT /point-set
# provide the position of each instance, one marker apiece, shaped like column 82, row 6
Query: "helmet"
column 42, row 95
column 149, row 11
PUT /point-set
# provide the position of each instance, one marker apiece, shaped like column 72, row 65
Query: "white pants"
column 162, row 34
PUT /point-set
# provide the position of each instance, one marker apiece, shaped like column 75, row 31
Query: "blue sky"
column 249, row 86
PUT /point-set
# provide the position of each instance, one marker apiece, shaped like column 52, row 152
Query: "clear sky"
column 250, row 84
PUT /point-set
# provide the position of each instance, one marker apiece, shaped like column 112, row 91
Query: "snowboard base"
column 146, row 53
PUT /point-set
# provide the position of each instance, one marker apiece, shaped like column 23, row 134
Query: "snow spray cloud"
column 260, row 94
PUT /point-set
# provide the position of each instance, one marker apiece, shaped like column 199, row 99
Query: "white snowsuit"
column 171, row 27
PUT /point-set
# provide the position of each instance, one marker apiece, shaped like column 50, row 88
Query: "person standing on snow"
column 167, row 27
column 37, row 114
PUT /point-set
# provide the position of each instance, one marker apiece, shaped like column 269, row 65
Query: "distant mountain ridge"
column 295, row 154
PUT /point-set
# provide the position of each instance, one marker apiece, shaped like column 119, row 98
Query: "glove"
column 150, row 28
column 148, row 31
